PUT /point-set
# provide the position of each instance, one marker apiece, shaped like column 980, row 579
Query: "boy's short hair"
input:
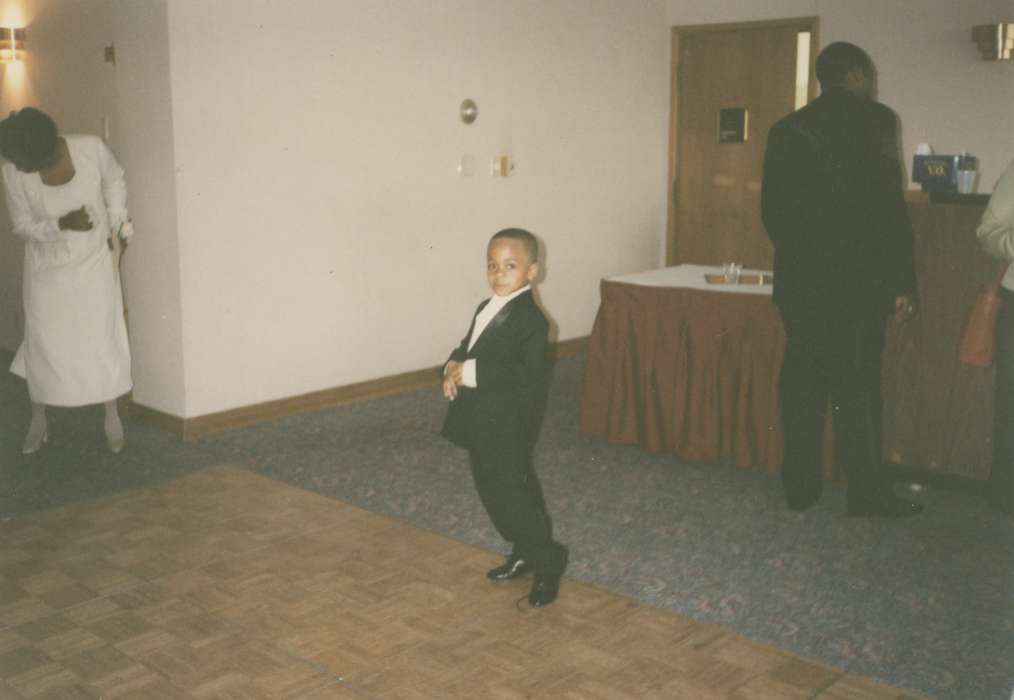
column 527, row 240
column 837, row 59
column 28, row 139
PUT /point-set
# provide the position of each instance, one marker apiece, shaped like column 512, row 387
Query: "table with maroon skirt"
column 681, row 365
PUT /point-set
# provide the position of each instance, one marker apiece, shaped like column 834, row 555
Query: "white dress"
column 75, row 349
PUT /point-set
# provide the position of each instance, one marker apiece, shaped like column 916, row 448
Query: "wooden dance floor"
column 225, row 584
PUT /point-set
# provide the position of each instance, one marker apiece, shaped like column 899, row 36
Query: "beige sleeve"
column 996, row 231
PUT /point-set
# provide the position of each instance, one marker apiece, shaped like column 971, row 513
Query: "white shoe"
column 31, row 446
column 116, row 444
column 114, row 432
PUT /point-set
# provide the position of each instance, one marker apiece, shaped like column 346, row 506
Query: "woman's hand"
column 77, row 220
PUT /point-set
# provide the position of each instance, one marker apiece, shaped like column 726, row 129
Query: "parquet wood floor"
column 226, row 584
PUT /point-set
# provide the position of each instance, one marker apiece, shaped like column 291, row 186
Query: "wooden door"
column 715, row 173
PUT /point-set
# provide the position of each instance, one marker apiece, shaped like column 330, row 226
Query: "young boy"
column 495, row 381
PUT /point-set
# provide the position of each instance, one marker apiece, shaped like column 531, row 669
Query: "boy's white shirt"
column 482, row 319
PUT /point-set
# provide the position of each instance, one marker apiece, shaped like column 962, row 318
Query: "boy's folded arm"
column 461, row 352
column 528, row 369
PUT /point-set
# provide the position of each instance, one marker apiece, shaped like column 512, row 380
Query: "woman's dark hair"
column 28, row 139
column 837, row 59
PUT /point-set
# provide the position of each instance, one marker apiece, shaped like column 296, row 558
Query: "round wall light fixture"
column 469, row 111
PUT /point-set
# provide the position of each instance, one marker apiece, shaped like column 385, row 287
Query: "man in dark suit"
column 833, row 207
column 496, row 382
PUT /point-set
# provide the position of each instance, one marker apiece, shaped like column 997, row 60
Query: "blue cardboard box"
column 940, row 173
column 936, row 173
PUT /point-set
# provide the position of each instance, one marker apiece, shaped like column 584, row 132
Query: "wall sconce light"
column 469, row 111
column 996, row 41
column 12, row 44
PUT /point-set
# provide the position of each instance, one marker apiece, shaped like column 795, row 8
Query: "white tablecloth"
column 692, row 277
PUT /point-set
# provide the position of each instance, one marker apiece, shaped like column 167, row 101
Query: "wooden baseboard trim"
column 164, row 421
column 568, row 348
column 201, row 426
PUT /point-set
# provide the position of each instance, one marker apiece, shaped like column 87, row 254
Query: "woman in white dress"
column 66, row 197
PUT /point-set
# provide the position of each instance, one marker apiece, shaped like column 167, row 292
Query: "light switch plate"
column 501, row 166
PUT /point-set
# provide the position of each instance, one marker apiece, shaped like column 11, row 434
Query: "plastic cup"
column 966, row 181
column 730, row 272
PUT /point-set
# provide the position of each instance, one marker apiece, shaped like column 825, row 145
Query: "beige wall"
column 929, row 69
column 292, row 163
column 325, row 235
column 141, row 133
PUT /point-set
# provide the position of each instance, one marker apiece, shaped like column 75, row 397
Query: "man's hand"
column 904, row 307
column 453, row 378
column 77, row 220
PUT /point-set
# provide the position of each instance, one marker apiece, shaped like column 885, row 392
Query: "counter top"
column 917, row 197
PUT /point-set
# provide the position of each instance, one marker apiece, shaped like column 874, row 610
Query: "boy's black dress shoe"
column 888, row 506
column 544, row 590
column 512, row 568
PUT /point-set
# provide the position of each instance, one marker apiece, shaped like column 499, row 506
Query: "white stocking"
column 114, row 428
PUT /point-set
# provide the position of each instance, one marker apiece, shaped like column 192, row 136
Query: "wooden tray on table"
column 749, row 278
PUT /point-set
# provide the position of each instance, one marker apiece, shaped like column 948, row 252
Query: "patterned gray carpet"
column 926, row 603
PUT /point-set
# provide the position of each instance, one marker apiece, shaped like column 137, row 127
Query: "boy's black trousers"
column 511, row 493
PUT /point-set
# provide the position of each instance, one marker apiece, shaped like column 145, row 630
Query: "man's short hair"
column 837, row 59
column 519, row 234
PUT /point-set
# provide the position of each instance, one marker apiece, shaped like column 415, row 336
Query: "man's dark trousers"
column 837, row 357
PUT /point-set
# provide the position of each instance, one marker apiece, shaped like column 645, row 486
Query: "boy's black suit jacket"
column 503, row 412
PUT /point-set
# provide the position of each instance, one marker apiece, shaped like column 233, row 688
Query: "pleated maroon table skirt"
column 689, row 371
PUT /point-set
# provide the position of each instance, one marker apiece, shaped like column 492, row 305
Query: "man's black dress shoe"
column 512, row 568
column 1000, row 503
column 801, row 493
column 889, row 506
column 800, row 502
column 544, row 590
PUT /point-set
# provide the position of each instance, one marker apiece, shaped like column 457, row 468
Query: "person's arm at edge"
column 996, row 230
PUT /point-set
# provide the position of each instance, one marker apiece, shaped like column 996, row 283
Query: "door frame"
column 809, row 24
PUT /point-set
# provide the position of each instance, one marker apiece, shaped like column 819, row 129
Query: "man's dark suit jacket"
column 833, row 207
column 502, row 413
